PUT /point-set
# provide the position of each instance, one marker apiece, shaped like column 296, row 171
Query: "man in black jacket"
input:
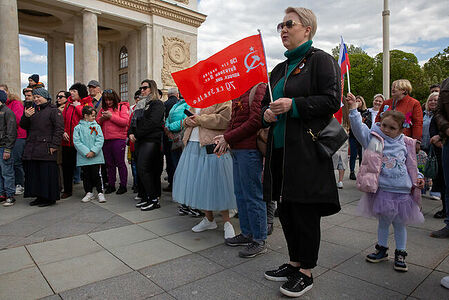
column 8, row 134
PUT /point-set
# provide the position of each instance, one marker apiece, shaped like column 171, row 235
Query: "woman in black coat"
column 45, row 127
column 306, row 93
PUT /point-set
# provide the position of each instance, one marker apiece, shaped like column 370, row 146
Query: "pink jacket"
column 17, row 107
column 117, row 126
column 368, row 176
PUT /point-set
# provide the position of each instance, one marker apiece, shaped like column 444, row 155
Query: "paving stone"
column 132, row 285
column 332, row 255
column 24, row 284
column 66, row 228
column 431, row 288
column 78, row 271
column 170, row 225
column 92, row 214
column 276, row 240
column 150, row 252
column 122, row 236
column 138, row 216
column 334, row 285
column 349, row 237
column 14, row 259
column 224, row 285
column 6, row 240
column 27, row 241
column 52, row 297
column 384, row 275
column 63, row 249
column 428, row 205
column 114, row 222
column 164, row 296
column 197, row 241
column 180, row 271
column 224, row 255
column 21, row 228
column 338, row 218
column 362, row 224
column 430, row 223
column 444, row 265
column 350, row 209
column 422, row 249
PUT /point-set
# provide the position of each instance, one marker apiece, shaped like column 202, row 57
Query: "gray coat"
column 8, row 128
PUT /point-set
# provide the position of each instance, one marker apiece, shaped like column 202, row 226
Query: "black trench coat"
column 308, row 177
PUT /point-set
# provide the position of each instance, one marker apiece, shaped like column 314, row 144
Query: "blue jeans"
column 445, row 164
column 248, row 193
column 77, row 175
column 7, row 184
column 355, row 149
column 134, row 168
column 400, row 233
column 17, row 153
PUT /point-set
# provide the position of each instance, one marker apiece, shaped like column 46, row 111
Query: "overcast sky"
column 417, row 26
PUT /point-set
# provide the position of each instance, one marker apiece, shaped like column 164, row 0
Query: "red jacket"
column 17, row 108
column 117, row 126
column 245, row 120
column 412, row 110
column 72, row 115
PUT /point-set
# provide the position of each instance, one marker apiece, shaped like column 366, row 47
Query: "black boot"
column 379, row 255
column 399, row 260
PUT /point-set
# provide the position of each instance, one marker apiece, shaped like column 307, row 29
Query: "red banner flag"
column 225, row 75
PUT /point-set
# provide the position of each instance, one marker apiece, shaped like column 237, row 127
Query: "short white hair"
column 306, row 16
column 172, row 91
column 379, row 95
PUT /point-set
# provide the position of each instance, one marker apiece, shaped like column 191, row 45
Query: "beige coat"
column 212, row 121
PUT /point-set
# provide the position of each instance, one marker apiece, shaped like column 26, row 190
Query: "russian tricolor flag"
column 343, row 58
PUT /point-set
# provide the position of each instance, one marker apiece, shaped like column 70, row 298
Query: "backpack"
column 262, row 134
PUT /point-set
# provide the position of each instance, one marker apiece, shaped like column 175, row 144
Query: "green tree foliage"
column 351, row 50
column 437, row 68
column 361, row 76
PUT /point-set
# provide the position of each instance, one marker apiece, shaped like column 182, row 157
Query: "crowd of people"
column 216, row 163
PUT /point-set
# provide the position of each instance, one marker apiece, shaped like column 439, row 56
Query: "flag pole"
column 266, row 66
column 349, row 83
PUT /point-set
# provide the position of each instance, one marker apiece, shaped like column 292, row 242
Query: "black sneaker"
column 352, row 176
column 109, row 190
column 150, row 206
column 440, row 214
column 297, row 285
column 196, row 213
column 399, row 260
column 10, row 201
column 443, row 233
column 270, row 228
column 238, row 240
column 36, row 201
column 121, row 190
column 183, row 210
column 253, row 250
column 142, row 203
column 281, row 273
column 379, row 255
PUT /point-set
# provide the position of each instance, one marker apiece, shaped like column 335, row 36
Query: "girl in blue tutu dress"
column 390, row 179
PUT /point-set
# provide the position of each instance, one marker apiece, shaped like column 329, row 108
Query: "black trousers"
column 300, row 222
column 149, row 169
column 170, row 167
column 68, row 166
column 92, row 178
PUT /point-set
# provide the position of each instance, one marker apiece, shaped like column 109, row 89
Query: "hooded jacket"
column 117, row 126
column 8, row 128
column 87, row 137
column 72, row 115
column 17, row 108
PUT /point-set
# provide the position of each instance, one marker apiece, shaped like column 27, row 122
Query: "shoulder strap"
column 252, row 93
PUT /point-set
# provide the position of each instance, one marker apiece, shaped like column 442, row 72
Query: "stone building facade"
column 117, row 42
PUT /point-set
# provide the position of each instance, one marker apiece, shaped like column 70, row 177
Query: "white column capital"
column 90, row 10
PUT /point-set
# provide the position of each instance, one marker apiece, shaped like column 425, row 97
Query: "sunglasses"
column 289, row 24
column 143, row 88
column 60, row 96
column 107, row 91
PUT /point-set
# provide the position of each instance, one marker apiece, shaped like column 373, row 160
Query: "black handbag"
column 431, row 166
column 329, row 139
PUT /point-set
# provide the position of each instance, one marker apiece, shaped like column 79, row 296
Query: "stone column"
column 57, row 75
column 78, row 49
column 9, row 46
column 133, row 64
column 90, row 46
column 108, row 66
column 146, row 52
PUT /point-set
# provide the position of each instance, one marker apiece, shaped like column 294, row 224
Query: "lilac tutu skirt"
column 397, row 207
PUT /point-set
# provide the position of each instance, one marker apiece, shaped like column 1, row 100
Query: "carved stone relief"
column 183, row 1
column 176, row 57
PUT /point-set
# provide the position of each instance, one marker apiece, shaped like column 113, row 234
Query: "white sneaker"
column 340, row 184
column 89, row 196
column 445, row 282
column 205, row 224
column 137, row 198
column 101, row 198
column 232, row 213
column 228, row 230
column 19, row 189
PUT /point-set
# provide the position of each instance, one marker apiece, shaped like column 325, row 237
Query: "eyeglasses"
column 60, row 96
column 289, row 24
column 143, row 88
